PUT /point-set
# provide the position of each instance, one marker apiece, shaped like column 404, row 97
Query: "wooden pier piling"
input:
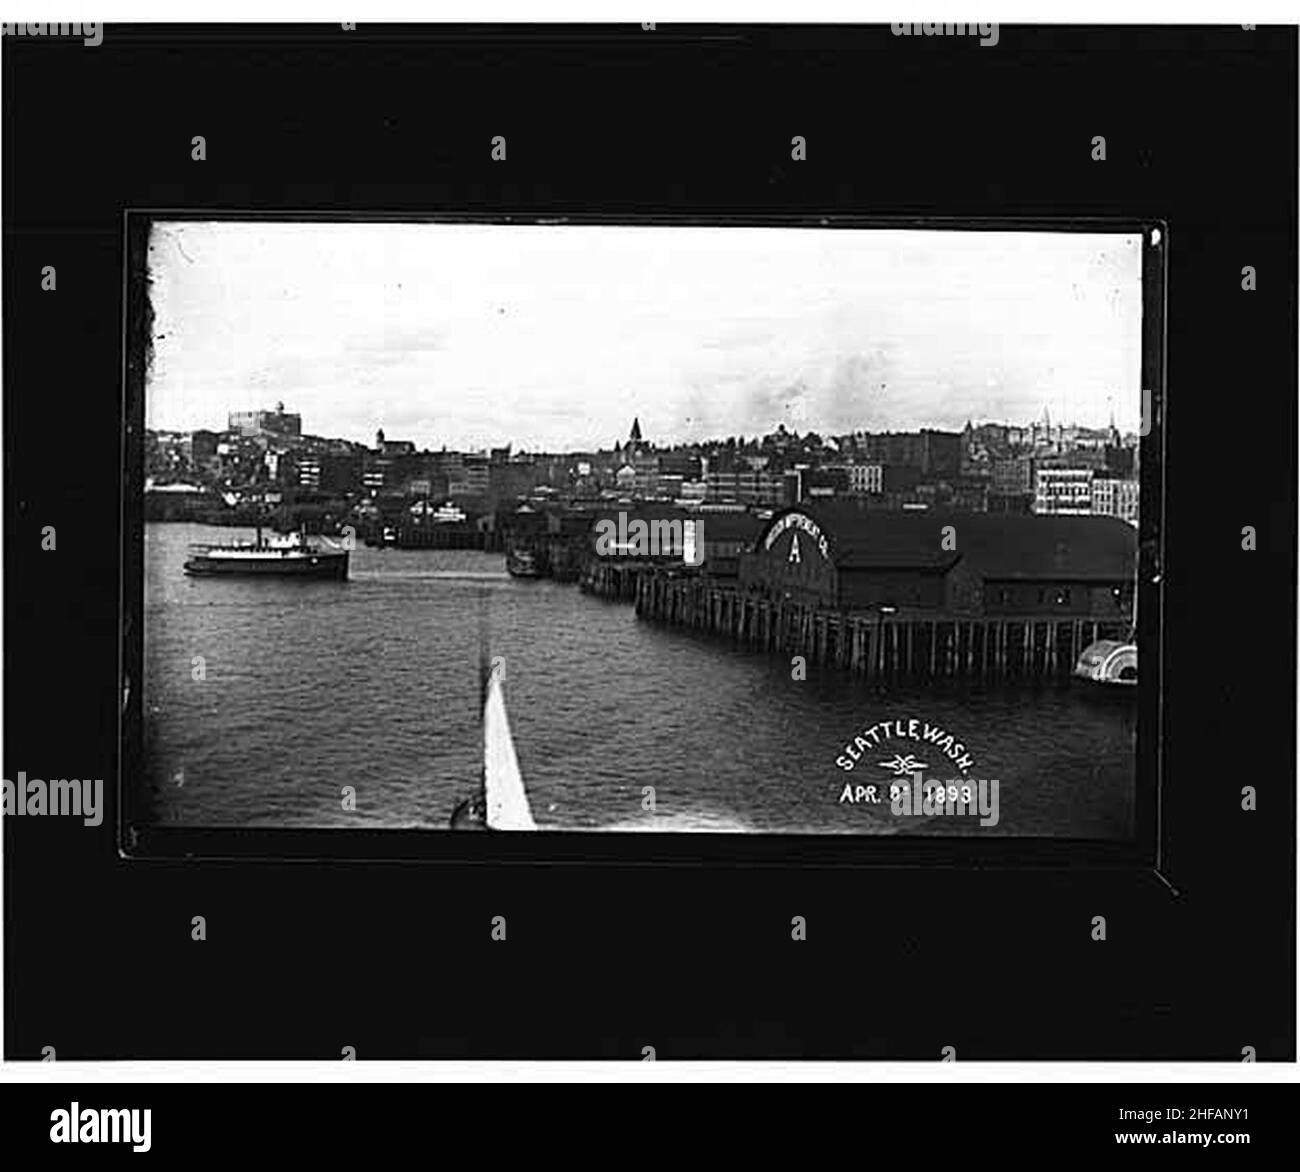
column 878, row 647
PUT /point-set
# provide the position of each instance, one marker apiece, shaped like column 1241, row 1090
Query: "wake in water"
column 701, row 821
column 432, row 575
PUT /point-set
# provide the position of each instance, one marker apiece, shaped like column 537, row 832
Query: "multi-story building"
column 751, row 488
column 1091, row 458
column 1116, row 498
column 994, row 436
column 625, row 480
column 1093, row 437
column 645, row 470
column 1013, row 476
column 935, row 453
column 1063, row 491
column 1121, row 463
column 866, row 478
column 968, row 494
column 518, row 478
column 374, row 478
column 680, row 463
column 827, row 481
column 308, row 470
column 668, row 486
column 473, row 477
column 1016, row 503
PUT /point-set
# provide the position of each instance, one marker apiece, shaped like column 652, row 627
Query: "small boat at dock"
column 521, row 563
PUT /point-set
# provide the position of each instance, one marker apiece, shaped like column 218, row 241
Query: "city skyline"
column 650, row 442
column 475, row 336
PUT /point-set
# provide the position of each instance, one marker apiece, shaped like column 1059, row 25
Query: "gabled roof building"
column 835, row 555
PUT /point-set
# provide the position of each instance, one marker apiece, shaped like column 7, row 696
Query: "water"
column 373, row 683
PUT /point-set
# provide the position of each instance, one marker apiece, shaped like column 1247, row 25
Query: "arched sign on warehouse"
column 801, row 523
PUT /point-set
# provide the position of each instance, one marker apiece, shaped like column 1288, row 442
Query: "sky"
column 554, row 337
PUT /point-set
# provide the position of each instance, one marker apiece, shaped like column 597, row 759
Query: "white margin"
column 1097, row 12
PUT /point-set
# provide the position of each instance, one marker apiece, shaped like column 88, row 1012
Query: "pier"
column 412, row 535
column 614, row 579
column 877, row 646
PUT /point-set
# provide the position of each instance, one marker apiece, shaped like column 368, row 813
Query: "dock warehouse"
column 721, row 534
column 835, row 555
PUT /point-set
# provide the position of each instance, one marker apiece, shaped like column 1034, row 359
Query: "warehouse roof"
column 997, row 546
column 716, row 526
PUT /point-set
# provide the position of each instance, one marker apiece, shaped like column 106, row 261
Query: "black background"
column 395, row 960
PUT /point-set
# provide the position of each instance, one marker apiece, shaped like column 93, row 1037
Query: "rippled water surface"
column 373, row 683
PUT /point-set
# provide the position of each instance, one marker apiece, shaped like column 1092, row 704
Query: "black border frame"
column 138, row 839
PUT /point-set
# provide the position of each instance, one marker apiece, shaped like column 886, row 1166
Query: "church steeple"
column 635, row 436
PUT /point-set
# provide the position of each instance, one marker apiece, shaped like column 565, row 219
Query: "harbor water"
column 308, row 687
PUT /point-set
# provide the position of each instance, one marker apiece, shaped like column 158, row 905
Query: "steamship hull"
column 332, row 566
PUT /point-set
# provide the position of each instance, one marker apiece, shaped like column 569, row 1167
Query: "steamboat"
column 288, row 556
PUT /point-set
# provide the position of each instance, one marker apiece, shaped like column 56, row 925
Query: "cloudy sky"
column 554, row 337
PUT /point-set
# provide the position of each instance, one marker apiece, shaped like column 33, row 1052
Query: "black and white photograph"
column 752, row 549
column 822, row 530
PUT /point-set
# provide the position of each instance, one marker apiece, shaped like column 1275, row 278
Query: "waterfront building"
column 725, row 536
column 178, row 502
column 719, row 536
column 834, row 555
